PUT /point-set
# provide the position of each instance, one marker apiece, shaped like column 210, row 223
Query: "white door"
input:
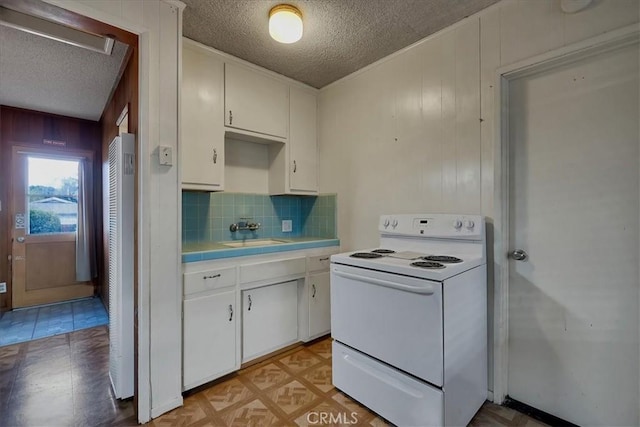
column 255, row 102
column 303, row 148
column 209, row 348
column 269, row 319
column 202, row 128
column 319, row 304
column 573, row 302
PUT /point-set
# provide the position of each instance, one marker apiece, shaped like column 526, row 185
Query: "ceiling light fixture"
column 285, row 23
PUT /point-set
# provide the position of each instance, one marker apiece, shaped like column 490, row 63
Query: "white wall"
column 246, row 167
column 159, row 24
column 404, row 135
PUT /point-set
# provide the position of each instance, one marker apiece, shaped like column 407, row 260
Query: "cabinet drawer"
column 208, row 280
column 319, row 263
column 272, row 270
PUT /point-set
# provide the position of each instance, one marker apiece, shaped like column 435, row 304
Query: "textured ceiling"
column 340, row 36
column 46, row 75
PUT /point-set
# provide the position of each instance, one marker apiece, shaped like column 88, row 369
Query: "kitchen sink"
column 252, row 242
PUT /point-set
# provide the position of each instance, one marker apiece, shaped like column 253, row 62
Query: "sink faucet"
column 244, row 225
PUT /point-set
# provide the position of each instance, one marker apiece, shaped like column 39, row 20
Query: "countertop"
column 202, row 251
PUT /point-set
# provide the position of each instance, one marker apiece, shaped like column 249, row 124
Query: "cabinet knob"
column 215, row 156
column 295, row 167
column 314, row 291
column 230, row 312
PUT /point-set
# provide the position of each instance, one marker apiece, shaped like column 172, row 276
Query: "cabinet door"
column 303, row 154
column 255, row 102
column 319, row 304
column 209, row 348
column 269, row 318
column 202, row 120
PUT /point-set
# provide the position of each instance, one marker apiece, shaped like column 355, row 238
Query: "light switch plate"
column 3, row 287
column 287, row 225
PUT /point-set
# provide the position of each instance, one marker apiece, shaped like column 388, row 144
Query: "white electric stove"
column 409, row 320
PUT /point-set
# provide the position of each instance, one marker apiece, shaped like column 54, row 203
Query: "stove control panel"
column 467, row 227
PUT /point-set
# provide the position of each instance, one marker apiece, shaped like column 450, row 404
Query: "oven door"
column 393, row 318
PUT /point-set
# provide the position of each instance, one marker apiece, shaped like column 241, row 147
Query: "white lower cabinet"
column 209, row 340
column 319, row 304
column 269, row 318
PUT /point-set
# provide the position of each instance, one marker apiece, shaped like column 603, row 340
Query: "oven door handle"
column 425, row 290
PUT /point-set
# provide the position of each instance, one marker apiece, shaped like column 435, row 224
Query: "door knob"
column 519, row 255
column 20, row 239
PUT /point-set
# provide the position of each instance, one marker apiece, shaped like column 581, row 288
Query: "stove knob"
column 457, row 224
column 469, row 224
column 386, row 222
column 394, row 223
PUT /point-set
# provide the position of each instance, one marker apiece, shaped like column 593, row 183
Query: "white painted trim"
column 178, row 165
column 98, row 15
column 122, row 115
column 144, row 235
column 178, row 5
column 156, row 412
column 230, row 58
column 567, row 54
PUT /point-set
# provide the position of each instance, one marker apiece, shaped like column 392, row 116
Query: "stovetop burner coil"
column 442, row 258
column 383, row 251
column 428, row 264
column 367, row 255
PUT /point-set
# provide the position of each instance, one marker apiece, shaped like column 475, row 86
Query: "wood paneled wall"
column 125, row 94
column 30, row 128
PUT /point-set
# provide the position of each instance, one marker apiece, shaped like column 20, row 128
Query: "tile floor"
column 44, row 321
column 291, row 389
column 66, row 380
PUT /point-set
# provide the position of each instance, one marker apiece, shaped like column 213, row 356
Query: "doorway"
column 572, row 237
column 45, row 206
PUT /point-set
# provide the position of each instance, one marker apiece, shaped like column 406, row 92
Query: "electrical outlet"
column 287, row 226
column 3, row 287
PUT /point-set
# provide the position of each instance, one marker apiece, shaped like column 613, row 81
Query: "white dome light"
column 285, row 24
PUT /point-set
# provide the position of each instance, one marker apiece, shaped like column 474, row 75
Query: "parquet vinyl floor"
column 64, row 381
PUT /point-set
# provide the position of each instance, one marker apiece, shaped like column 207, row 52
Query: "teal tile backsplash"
column 206, row 217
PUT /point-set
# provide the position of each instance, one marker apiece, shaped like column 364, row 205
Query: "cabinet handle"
column 314, row 291
column 215, row 276
column 230, row 117
column 249, row 309
column 295, row 167
column 230, row 312
column 324, row 259
column 215, row 156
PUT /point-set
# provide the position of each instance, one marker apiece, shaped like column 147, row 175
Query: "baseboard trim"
column 537, row 414
column 166, row 407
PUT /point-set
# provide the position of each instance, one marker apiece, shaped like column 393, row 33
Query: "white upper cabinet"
column 303, row 145
column 293, row 167
column 202, row 128
column 255, row 102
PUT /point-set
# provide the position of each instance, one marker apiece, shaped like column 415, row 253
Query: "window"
column 52, row 195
